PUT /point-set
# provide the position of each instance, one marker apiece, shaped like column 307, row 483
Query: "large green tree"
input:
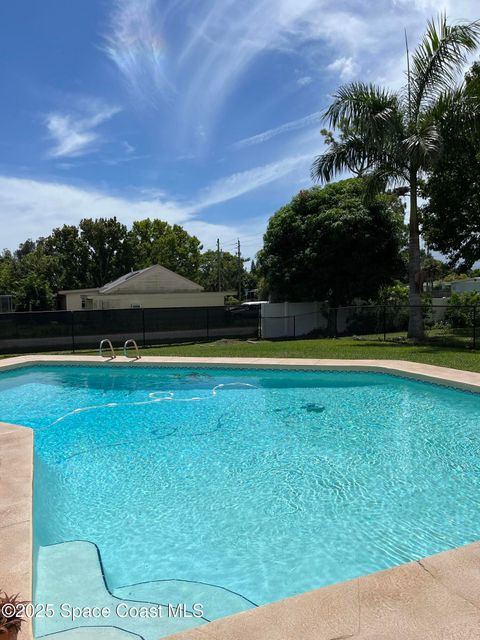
column 72, row 254
column 451, row 217
column 157, row 242
column 331, row 243
column 32, row 277
column 394, row 137
column 109, row 253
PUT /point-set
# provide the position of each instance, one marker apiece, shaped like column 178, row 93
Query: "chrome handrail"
column 108, row 342
column 131, row 341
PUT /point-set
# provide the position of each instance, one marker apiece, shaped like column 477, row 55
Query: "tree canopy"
column 331, row 244
column 451, row 217
column 157, row 242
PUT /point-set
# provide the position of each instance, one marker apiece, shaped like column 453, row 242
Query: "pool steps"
column 71, row 572
column 88, row 633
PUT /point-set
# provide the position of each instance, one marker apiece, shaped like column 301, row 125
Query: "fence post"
column 474, row 326
column 72, row 314
column 333, row 322
column 294, row 326
column 384, row 323
column 208, row 322
column 143, row 328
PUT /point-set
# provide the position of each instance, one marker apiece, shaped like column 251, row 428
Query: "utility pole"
column 239, row 271
column 219, row 266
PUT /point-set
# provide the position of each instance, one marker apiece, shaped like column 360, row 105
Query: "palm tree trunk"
column 415, row 321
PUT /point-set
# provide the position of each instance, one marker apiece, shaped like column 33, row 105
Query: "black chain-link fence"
column 457, row 326
column 75, row 330
column 450, row 325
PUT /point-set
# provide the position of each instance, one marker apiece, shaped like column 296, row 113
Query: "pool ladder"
column 134, row 343
column 110, row 346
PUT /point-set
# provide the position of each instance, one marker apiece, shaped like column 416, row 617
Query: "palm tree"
column 393, row 138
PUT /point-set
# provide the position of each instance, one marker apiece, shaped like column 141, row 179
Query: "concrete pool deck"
column 16, row 484
column 435, row 598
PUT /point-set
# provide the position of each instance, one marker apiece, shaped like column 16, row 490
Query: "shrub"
column 460, row 309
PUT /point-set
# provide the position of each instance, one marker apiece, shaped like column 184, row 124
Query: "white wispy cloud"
column 346, row 68
column 293, row 125
column 212, row 44
column 245, row 181
column 136, row 46
column 75, row 134
column 35, row 207
column 218, row 42
column 38, row 205
column 304, row 81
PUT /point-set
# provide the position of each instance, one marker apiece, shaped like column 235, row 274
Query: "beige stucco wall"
column 147, row 300
column 73, row 301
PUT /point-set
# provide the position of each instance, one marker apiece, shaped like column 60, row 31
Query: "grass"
column 457, row 357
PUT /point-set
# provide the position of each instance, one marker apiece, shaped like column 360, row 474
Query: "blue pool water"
column 265, row 483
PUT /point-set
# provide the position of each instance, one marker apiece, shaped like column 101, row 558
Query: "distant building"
column 153, row 287
column 465, row 286
column 444, row 289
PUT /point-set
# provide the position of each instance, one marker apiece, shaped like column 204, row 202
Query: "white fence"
column 283, row 319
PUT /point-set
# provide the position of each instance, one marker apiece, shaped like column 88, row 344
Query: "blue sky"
column 201, row 112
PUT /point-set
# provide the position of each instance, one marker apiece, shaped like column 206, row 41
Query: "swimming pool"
column 234, row 488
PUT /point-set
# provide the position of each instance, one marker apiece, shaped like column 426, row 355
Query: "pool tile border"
column 435, row 598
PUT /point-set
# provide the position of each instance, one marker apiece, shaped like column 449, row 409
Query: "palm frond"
column 352, row 153
column 364, row 107
column 383, row 176
column 454, row 111
column 439, row 58
column 329, row 164
column 358, row 155
column 424, row 145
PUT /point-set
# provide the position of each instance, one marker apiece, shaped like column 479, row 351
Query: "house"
column 465, row 286
column 444, row 290
column 153, row 287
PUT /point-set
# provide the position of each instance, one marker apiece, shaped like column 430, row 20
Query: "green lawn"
column 456, row 357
